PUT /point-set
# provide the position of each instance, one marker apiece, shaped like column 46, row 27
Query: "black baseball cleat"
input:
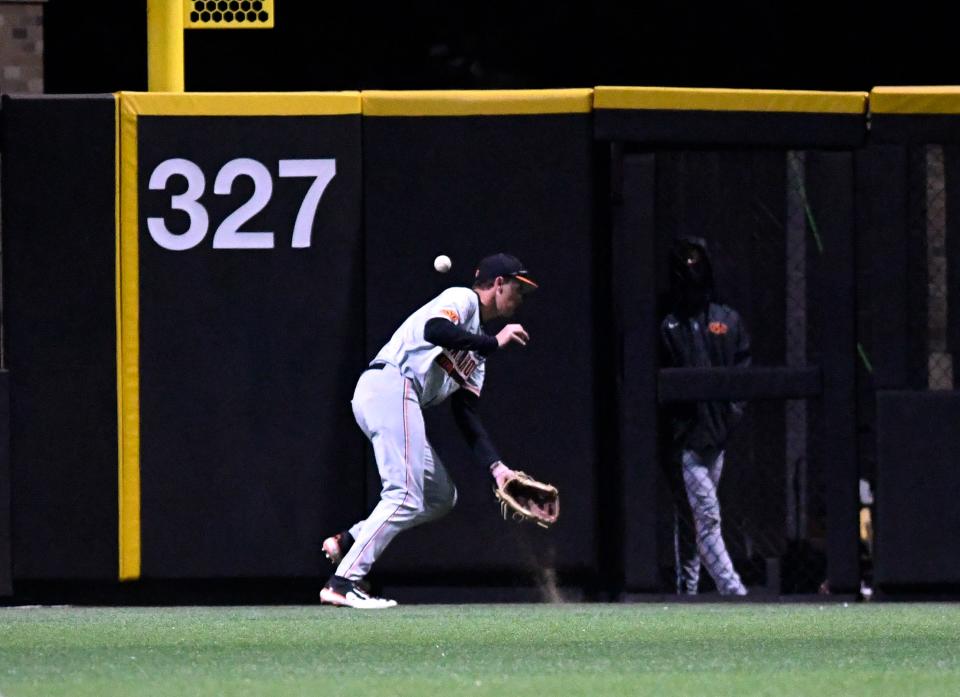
column 336, row 546
column 342, row 592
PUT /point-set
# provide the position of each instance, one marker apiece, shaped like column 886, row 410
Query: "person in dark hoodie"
column 699, row 333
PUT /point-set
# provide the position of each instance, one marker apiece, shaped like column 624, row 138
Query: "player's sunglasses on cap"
column 503, row 265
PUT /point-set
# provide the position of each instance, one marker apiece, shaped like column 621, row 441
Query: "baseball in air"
column 442, row 263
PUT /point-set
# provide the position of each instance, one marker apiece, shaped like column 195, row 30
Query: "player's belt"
column 377, row 366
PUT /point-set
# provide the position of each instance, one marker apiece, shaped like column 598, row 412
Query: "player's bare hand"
column 512, row 333
column 500, row 473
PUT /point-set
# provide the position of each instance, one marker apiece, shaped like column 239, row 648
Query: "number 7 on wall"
column 322, row 172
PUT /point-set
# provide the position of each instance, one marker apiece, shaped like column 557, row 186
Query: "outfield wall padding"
column 915, row 115
column 881, row 173
column 247, row 345
column 452, row 174
column 6, row 521
column 830, row 194
column 918, row 484
column 235, row 360
column 59, row 248
column 633, row 240
column 715, row 117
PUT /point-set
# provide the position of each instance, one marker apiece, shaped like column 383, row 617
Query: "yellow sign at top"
column 227, row 14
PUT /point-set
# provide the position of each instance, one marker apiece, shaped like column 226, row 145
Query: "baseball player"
column 700, row 332
column 440, row 351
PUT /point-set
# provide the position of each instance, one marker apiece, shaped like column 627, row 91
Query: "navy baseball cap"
column 503, row 265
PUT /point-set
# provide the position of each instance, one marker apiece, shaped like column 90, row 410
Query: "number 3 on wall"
column 228, row 234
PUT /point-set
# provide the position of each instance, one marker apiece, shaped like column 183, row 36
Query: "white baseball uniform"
column 388, row 403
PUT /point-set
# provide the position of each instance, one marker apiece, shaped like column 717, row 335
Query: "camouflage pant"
column 701, row 477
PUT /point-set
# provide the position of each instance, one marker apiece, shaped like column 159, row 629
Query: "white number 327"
column 228, row 234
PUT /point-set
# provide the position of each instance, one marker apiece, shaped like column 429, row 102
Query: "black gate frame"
column 642, row 386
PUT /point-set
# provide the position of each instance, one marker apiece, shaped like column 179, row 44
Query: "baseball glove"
column 524, row 498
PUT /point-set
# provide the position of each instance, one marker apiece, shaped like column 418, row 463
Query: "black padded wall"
column 634, row 241
column 249, row 454
column 913, row 127
column 908, row 197
column 711, row 128
column 467, row 187
column 830, row 191
column 918, row 485
column 59, row 247
column 6, row 565
column 881, row 174
column 248, row 450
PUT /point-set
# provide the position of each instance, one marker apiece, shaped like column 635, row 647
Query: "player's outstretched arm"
column 465, row 413
column 442, row 332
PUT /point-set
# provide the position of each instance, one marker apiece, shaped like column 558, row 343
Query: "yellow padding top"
column 717, row 99
column 915, row 100
column 477, row 102
column 240, row 103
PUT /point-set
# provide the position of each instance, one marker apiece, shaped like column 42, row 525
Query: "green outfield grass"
column 502, row 650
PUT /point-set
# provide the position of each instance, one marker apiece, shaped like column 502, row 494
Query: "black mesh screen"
column 766, row 242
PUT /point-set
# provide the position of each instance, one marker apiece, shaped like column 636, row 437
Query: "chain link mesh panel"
column 752, row 209
column 939, row 360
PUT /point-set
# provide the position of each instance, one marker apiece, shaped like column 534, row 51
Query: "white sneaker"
column 739, row 589
column 346, row 593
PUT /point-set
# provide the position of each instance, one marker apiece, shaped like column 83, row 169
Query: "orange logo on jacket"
column 450, row 314
column 717, row 328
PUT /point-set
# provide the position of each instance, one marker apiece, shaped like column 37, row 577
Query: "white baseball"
column 442, row 263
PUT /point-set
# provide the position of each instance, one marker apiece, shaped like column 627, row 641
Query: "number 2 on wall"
column 228, row 234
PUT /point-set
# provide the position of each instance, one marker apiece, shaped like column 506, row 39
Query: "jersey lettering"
column 459, row 365
column 437, row 371
column 466, row 364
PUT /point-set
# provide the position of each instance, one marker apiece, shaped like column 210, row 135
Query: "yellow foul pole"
column 165, row 45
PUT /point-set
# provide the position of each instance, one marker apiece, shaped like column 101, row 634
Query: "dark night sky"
column 321, row 45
